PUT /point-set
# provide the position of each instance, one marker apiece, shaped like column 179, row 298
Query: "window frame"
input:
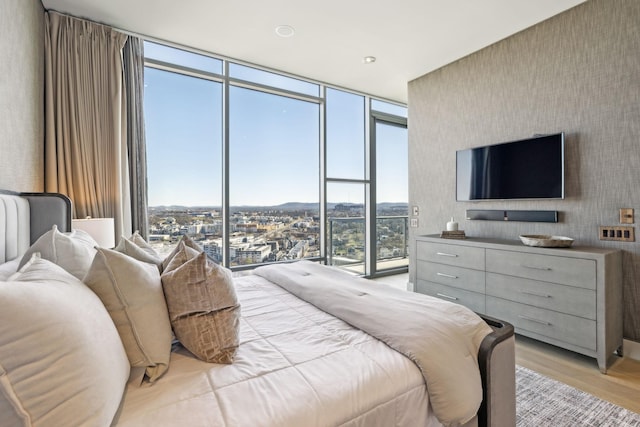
column 370, row 117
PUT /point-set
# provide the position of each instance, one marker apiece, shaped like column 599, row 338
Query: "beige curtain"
column 85, row 135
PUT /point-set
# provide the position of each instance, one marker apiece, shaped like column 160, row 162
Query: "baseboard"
column 632, row 349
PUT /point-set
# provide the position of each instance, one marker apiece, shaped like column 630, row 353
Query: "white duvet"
column 442, row 338
column 296, row 367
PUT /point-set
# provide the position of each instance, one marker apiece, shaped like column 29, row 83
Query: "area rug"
column 542, row 401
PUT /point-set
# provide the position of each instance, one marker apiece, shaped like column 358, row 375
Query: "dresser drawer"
column 555, row 269
column 570, row 329
column 464, row 278
column 469, row 299
column 566, row 299
column 451, row 254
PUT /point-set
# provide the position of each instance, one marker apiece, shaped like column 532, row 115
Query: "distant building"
column 298, row 250
column 249, row 227
column 213, row 250
column 252, row 255
column 275, row 247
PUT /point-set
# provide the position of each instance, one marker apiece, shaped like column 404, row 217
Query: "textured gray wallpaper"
column 22, row 95
column 578, row 72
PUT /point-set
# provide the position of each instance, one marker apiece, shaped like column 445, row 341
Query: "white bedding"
column 296, row 366
column 9, row 268
column 442, row 338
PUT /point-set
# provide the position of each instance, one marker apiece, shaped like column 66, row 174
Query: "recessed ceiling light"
column 369, row 59
column 285, row 30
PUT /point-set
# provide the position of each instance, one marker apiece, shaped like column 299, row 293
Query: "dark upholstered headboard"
column 48, row 209
column 26, row 216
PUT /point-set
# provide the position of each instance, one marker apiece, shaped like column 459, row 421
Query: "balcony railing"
column 346, row 246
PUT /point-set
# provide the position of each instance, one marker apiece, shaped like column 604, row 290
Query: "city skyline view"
column 271, row 234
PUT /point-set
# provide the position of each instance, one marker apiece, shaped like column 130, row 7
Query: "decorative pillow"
column 72, row 251
column 183, row 253
column 203, row 306
column 131, row 291
column 61, row 360
column 187, row 242
column 142, row 244
column 128, row 247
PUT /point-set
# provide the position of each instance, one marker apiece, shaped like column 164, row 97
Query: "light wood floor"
column 621, row 384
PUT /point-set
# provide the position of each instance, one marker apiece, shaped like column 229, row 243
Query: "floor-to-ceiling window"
column 346, row 179
column 274, row 177
column 184, row 154
column 261, row 167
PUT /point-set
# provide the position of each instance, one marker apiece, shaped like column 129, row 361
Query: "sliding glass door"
column 391, row 195
column 367, row 193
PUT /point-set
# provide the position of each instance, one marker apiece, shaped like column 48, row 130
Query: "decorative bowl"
column 545, row 241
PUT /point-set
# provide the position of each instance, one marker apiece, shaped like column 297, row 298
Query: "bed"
column 317, row 347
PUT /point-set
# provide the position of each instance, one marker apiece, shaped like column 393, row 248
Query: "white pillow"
column 131, row 291
column 61, row 360
column 72, row 251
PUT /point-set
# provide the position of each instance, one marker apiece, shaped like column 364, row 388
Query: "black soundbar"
column 512, row 215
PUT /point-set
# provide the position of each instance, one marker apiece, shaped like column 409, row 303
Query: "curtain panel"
column 133, row 56
column 85, row 115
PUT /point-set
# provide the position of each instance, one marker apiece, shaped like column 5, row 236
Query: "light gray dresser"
column 571, row 298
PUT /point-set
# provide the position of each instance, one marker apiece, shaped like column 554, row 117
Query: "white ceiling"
column 409, row 38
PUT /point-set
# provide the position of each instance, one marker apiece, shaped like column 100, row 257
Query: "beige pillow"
column 132, row 293
column 203, row 306
column 182, row 254
column 128, row 247
column 72, row 251
column 186, row 240
column 142, row 244
column 61, row 360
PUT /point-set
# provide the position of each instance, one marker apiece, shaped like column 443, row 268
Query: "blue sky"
column 274, row 153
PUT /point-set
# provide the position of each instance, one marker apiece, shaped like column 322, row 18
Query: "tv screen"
column 528, row 169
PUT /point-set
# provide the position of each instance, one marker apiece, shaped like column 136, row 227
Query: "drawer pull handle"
column 447, row 296
column 542, row 322
column 535, row 294
column 446, row 275
column 446, row 254
column 533, row 267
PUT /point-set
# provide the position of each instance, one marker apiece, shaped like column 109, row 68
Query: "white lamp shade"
column 101, row 229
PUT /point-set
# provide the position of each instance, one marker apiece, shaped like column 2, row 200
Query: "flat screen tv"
column 528, row 169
